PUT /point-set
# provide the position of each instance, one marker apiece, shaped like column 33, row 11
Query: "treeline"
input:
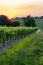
column 38, row 17
column 24, row 21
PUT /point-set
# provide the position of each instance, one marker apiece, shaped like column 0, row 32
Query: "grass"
column 26, row 52
column 39, row 23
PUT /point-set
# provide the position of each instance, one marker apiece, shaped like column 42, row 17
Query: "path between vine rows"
column 7, row 46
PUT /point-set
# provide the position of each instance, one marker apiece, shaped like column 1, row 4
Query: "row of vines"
column 9, row 34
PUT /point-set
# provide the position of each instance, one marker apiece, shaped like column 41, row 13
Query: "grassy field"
column 39, row 23
column 29, row 51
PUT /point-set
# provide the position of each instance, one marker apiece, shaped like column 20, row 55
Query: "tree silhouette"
column 29, row 21
column 4, row 20
column 16, row 23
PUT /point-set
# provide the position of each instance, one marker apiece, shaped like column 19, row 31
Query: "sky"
column 15, row 8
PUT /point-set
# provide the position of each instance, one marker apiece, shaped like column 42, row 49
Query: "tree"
column 29, row 21
column 4, row 20
column 41, row 17
column 16, row 23
column 33, row 22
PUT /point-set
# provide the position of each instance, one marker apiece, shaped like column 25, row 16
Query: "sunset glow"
column 15, row 8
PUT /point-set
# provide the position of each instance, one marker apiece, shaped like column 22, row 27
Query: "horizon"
column 18, row 8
